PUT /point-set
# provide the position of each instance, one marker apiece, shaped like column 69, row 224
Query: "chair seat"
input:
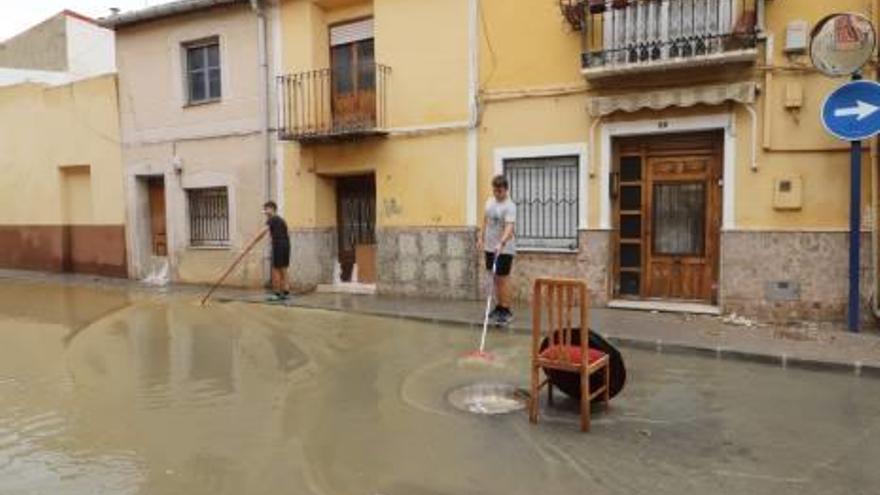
column 557, row 353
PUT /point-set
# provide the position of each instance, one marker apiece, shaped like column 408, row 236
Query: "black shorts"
column 505, row 263
column 280, row 255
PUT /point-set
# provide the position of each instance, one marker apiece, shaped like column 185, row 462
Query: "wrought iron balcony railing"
column 639, row 35
column 327, row 104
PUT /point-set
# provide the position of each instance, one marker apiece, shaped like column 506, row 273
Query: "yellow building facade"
column 61, row 206
column 668, row 151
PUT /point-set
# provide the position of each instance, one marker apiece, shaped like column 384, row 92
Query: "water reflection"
column 165, row 397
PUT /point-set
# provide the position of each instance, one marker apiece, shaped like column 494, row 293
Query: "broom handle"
column 232, row 266
column 489, row 304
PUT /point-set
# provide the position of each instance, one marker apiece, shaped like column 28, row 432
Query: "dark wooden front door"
column 158, row 233
column 668, row 208
column 354, row 85
column 356, row 212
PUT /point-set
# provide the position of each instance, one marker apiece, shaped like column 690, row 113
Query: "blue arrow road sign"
column 852, row 111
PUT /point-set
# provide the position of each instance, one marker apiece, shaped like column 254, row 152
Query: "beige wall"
column 43, row 47
column 44, row 130
column 216, row 144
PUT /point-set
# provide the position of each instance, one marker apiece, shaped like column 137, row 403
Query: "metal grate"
column 642, row 32
column 545, row 191
column 209, row 216
column 321, row 104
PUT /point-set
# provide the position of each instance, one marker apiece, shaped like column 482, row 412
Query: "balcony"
column 327, row 105
column 637, row 36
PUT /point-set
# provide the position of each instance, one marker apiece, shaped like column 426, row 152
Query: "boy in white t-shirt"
column 497, row 240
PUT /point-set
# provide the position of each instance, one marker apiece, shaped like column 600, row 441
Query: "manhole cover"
column 488, row 398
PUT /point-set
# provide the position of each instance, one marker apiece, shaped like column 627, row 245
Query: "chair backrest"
column 559, row 307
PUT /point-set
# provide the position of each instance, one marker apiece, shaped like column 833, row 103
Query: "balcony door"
column 668, row 208
column 353, row 62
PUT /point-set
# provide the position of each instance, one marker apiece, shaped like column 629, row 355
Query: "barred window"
column 545, row 191
column 203, row 71
column 208, row 216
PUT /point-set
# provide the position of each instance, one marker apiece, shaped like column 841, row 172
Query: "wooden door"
column 667, row 193
column 354, row 85
column 356, row 217
column 158, row 234
column 682, row 232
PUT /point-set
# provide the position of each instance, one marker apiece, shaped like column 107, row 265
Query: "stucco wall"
column 42, row 47
column 216, row 144
column 61, row 190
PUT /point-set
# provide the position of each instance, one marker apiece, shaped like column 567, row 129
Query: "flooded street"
column 105, row 392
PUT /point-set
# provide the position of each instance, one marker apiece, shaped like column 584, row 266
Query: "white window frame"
column 196, row 44
column 550, row 151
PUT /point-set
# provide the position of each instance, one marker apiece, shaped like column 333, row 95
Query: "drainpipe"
column 473, row 143
column 259, row 8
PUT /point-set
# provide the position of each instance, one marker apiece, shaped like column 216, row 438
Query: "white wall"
column 91, row 49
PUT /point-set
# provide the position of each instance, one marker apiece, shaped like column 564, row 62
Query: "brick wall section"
column 426, row 261
column 817, row 261
column 312, row 256
column 591, row 262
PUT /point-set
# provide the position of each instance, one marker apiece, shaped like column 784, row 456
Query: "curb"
column 856, row 368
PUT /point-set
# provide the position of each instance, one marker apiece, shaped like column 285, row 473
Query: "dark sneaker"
column 275, row 297
column 504, row 318
column 495, row 313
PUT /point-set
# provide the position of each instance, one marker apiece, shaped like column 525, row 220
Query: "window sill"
column 547, row 250
column 224, row 247
column 201, row 103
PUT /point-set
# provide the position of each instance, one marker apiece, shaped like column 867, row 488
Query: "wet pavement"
column 107, row 391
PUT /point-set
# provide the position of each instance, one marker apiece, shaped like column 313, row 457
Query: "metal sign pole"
column 841, row 44
column 855, row 233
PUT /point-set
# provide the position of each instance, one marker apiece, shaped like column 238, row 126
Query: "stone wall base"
column 427, row 261
column 591, row 262
column 312, row 256
column 785, row 277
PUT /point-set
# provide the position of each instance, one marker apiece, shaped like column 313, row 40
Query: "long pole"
column 231, row 267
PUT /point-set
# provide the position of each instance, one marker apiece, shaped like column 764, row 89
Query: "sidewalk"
column 810, row 347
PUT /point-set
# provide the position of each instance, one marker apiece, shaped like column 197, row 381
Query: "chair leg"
column 585, row 401
column 533, row 397
column 606, row 396
column 549, row 393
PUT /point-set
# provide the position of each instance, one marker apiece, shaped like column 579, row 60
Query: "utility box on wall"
column 788, row 193
column 797, row 37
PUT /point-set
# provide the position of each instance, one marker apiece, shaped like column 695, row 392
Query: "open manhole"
column 488, row 398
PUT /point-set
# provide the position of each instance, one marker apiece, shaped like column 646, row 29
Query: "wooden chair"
column 554, row 303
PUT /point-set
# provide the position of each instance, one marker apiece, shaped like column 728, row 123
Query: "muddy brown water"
column 102, row 392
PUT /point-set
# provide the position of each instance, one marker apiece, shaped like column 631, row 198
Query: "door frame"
column 710, row 122
column 368, row 179
column 725, row 122
column 702, row 146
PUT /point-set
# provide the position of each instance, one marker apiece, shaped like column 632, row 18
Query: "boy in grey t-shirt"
column 497, row 240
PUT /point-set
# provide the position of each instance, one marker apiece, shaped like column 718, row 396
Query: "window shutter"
column 351, row 32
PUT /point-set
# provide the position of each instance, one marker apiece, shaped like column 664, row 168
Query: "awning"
column 676, row 97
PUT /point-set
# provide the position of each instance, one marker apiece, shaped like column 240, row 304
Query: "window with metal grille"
column 545, row 191
column 203, row 71
column 208, row 216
